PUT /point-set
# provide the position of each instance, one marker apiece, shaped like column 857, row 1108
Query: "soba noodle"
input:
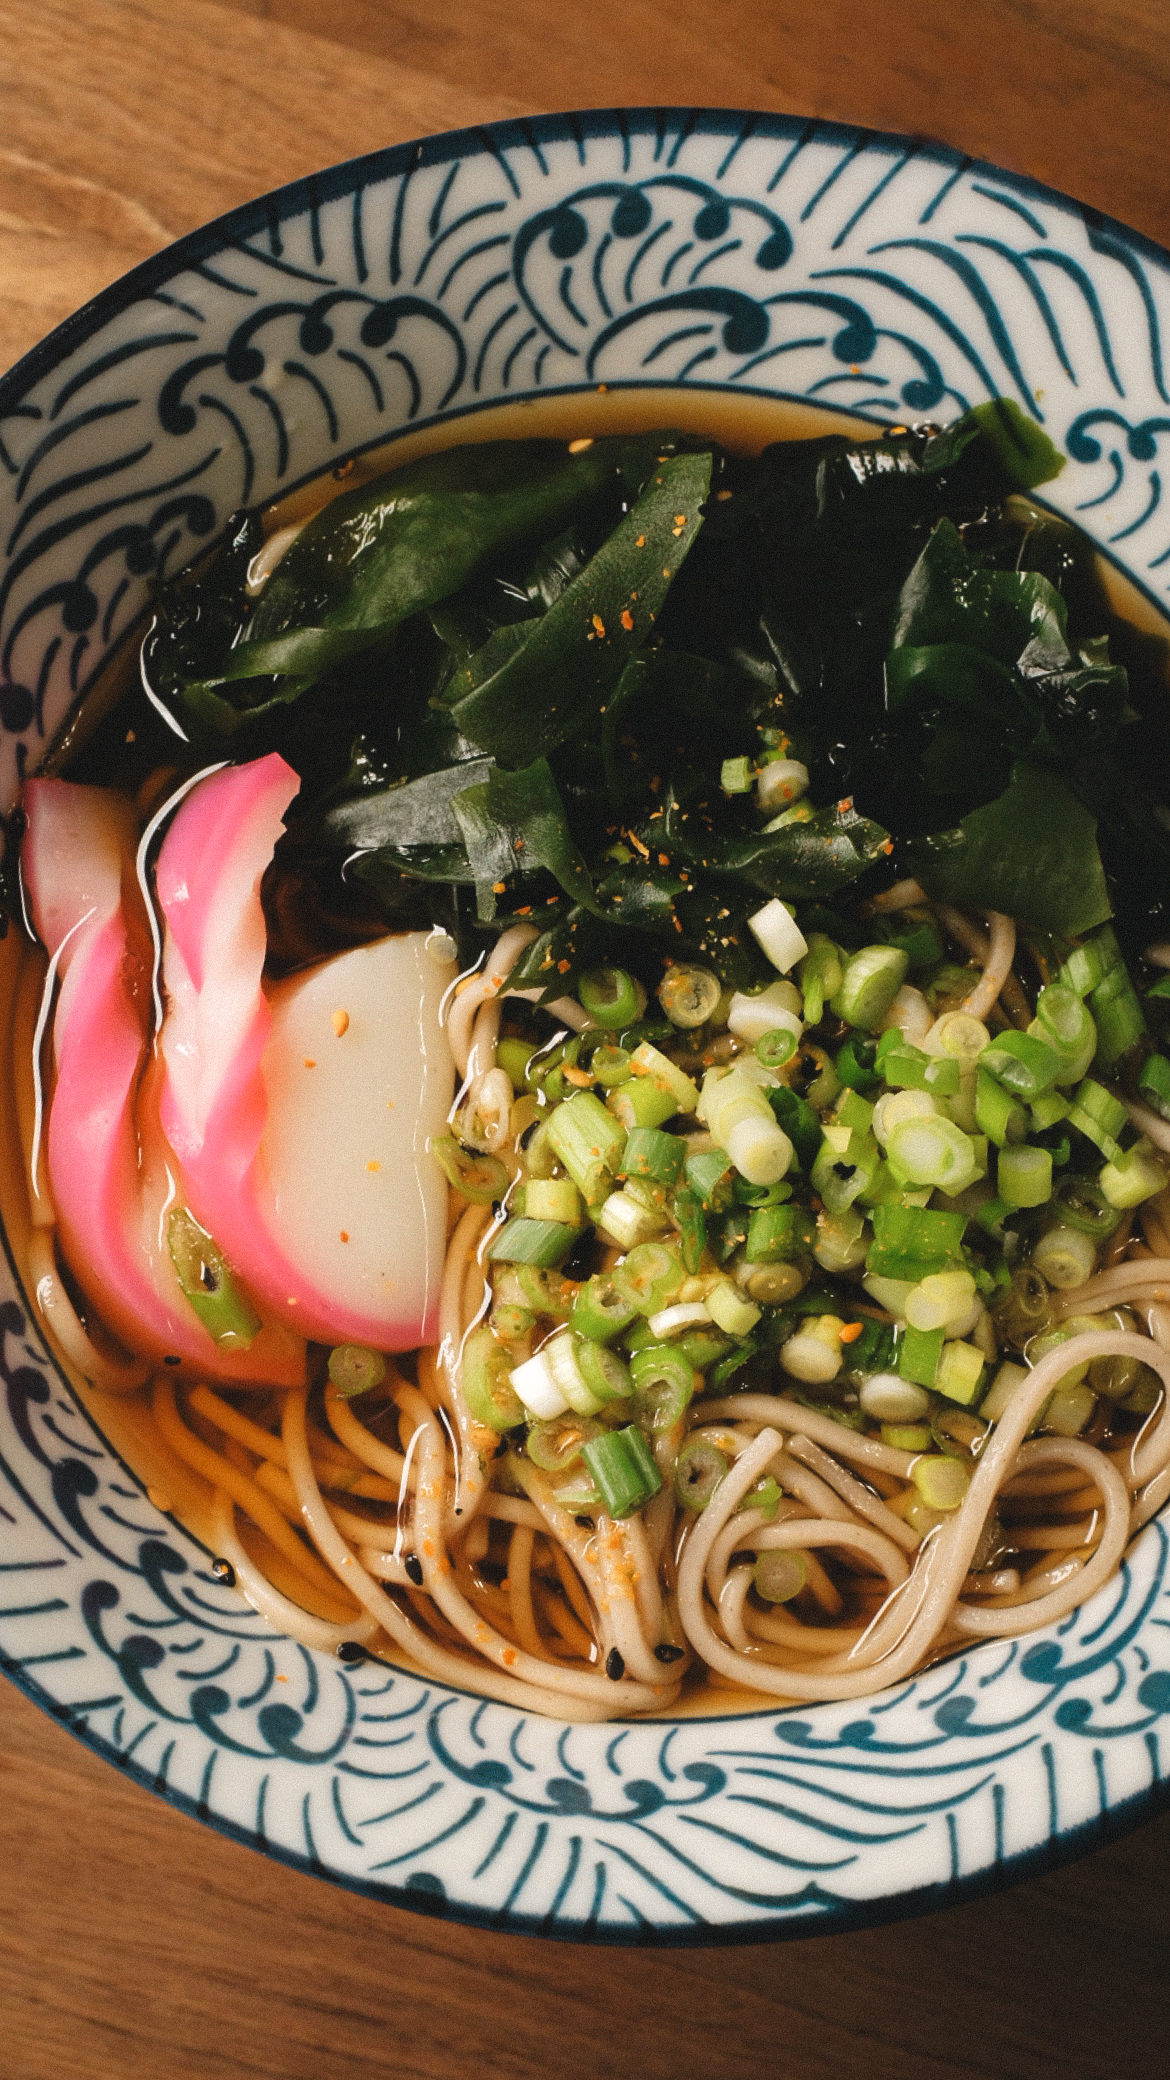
column 356, row 1542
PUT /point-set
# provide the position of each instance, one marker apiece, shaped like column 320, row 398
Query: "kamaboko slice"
column 301, row 1115
column 78, row 860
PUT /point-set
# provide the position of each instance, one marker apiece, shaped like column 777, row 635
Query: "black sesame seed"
column 586, row 1523
column 615, row 1667
column 351, row 1650
column 413, row 1566
column 224, row 1572
column 668, row 1653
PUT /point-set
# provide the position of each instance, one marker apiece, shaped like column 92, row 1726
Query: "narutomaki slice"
column 78, row 862
column 315, row 1182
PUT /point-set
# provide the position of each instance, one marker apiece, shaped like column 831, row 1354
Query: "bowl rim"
column 307, row 192
column 264, row 215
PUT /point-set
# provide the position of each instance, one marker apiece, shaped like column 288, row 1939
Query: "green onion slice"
column 557, row 1443
column 480, row 1178
column 698, row 1470
column 611, row 997
column 610, row 1066
column 778, row 1577
column 486, row 1380
column 208, row 1283
column 601, row 1310
column 606, row 1375
column 648, row 1276
column 958, row 1434
column 624, row 1468
column 689, row 995
column 355, row 1370
column 1080, row 1203
column 544, row 1244
column 776, row 1048
column 663, row 1386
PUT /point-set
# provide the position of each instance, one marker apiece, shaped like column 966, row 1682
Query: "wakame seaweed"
column 513, row 677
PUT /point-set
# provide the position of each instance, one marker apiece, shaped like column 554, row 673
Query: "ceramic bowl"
column 764, row 257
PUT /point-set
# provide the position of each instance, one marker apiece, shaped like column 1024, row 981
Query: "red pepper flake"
column 525, row 911
column 343, row 470
column 850, row 1332
column 677, row 925
column 843, row 807
column 663, row 859
column 888, row 847
column 579, row 447
column 627, row 619
column 344, row 1233
column 599, row 624
column 721, row 495
column 641, row 542
column 637, row 843
column 602, row 388
column 563, row 967
column 666, row 573
column 498, row 887
column 680, row 519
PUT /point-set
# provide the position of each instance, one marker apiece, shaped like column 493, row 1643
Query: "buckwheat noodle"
column 386, row 1530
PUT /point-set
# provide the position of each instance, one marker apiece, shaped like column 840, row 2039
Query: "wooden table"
column 132, row 1942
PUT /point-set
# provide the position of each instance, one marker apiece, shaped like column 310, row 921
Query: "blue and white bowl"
column 765, row 257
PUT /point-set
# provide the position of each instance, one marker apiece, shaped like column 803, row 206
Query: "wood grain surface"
column 135, row 1945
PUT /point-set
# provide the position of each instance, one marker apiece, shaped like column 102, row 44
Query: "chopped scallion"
column 612, row 998
column 355, row 1370
column 941, row 1482
column 1065, row 1257
column 1100, row 1116
column 689, row 995
column 542, row 1243
column 698, row 1470
column 601, row 1310
column 1024, row 1176
column 486, row 1380
column 651, row 1153
column 589, row 1142
column 919, row 1353
column 1154, row 1083
column 871, row 981
column 778, row 1577
column 624, row 1468
column 663, row 1386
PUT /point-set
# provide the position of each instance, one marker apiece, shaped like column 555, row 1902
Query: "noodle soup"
column 582, row 1113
